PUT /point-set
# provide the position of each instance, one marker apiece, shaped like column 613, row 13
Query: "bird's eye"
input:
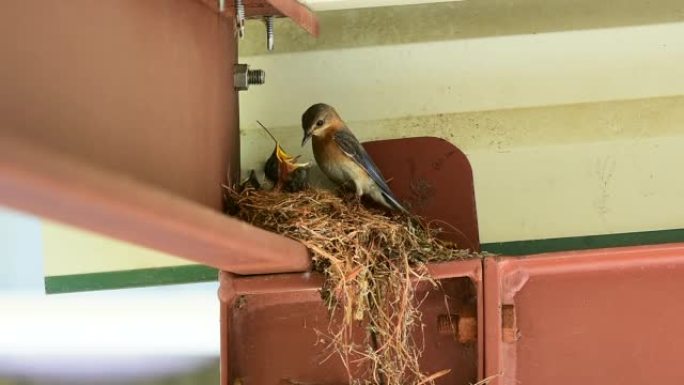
column 319, row 123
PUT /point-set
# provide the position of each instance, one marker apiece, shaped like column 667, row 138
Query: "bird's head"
column 316, row 119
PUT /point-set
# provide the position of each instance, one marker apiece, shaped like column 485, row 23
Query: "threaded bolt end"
column 240, row 18
column 269, row 25
column 240, row 11
column 270, row 35
column 256, row 76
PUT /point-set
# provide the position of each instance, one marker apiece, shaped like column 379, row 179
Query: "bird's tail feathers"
column 393, row 202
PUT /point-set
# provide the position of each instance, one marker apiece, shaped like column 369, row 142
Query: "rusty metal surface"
column 435, row 179
column 610, row 316
column 142, row 88
column 49, row 184
column 272, row 322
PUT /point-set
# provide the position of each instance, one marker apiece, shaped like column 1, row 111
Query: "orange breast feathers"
column 326, row 149
column 335, row 164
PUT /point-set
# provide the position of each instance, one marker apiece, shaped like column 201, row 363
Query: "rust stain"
column 509, row 326
column 421, row 192
column 437, row 164
column 467, row 330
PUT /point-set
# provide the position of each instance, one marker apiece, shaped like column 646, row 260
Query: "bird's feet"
column 357, row 199
column 351, row 198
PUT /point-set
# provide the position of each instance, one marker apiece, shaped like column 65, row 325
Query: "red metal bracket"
column 47, row 183
column 292, row 9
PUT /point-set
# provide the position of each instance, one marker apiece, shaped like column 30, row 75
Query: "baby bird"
column 342, row 158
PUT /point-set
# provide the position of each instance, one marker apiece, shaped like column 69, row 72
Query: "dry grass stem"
column 372, row 263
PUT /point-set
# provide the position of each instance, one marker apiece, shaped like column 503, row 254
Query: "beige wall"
column 573, row 117
column 69, row 250
column 572, row 113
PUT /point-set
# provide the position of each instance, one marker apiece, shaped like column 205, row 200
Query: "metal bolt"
column 256, row 77
column 243, row 77
column 269, row 32
column 240, row 18
column 222, row 5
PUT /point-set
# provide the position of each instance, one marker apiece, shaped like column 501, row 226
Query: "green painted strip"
column 586, row 242
column 200, row 273
column 129, row 278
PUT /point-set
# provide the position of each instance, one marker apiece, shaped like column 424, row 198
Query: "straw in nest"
column 372, row 263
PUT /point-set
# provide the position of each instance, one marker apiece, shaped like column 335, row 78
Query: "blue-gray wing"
column 353, row 149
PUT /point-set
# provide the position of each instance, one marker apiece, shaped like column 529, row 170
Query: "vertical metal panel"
column 594, row 317
column 435, row 179
column 142, row 88
column 275, row 319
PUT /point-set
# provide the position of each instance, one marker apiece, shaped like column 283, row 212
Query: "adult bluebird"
column 342, row 158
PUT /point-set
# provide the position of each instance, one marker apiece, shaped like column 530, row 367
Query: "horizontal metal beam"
column 51, row 184
column 335, row 5
column 292, row 9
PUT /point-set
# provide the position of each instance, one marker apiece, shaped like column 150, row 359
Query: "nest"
column 372, row 264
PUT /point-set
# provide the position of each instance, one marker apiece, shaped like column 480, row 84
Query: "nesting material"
column 372, row 263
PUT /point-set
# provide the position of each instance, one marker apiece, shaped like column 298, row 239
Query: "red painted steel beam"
column 144, row 88
column 53, row 185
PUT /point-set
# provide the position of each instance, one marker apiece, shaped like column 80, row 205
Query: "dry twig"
column 372, row 264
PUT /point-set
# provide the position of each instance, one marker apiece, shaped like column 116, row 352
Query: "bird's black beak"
column 307, row 136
